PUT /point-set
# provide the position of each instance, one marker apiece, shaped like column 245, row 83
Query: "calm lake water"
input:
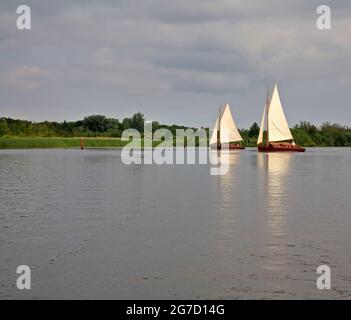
column 91, row 227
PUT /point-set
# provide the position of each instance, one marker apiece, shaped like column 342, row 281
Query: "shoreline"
column 59, row 142
column 13, row 143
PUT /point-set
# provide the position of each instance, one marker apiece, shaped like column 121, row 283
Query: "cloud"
column 22, row 78
column 136, row 54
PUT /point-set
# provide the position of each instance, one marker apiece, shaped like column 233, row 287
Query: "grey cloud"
column 117, row 57
column 22, row 78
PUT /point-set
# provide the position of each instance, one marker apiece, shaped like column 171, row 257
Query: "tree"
column 126, row 124
column 96, row 123
column 137, row 121
column 254, row 131
column 4, row 127
column 113, row 128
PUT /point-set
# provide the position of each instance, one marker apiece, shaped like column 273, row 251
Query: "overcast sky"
column 175, row 61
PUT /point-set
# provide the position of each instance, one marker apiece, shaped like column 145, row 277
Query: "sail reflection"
column 225, row 199
column 226, row 182
column 275, row 170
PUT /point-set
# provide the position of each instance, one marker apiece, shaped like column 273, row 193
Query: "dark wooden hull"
column 281, row 148
column 228, row 147
column 231, row 147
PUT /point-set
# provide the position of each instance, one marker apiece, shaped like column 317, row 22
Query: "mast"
column 267, row 112
column 219, row 129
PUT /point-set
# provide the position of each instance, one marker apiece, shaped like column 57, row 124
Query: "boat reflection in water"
column 226, row 182
column 274, row 171
column 225, row 192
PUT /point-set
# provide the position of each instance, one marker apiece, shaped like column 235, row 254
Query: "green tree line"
column 308, row 135
column 305, row 133
column 91, row 126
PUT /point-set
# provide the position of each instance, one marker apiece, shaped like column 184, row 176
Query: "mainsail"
column 213, row 139
column 228, row 130
column 278, row 128
column 262, row 127
column 277, row 124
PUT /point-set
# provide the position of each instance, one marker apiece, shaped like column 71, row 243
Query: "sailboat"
column 278, row 134
column 225, row 133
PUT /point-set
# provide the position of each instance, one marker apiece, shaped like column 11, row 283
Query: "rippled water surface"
column 92, row 227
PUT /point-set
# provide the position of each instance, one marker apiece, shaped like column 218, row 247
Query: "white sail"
column 228, row 130
column 262, row 127
column 213, row 139
column 278, row 128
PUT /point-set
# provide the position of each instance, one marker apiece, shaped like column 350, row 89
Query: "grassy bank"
column 56, row 142
column 42, row 143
